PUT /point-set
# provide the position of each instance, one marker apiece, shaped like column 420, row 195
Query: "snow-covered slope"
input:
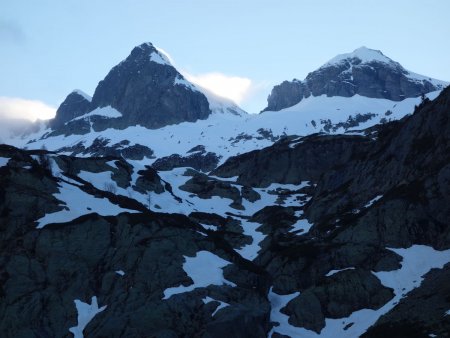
column 355, row 97
column 229, row 134
column 366, row 72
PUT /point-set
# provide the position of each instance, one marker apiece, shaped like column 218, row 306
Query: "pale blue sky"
column 50, row 47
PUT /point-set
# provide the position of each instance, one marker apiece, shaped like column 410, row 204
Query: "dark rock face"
column 402, row 168
column 134, row 302
column 371, row 78
column 420, row 314
column 205, row 187
column 149, row 180
column 145, row 92
column 406, row 165
column 73, row 106
column 101, row 147
column 203, row 161
column 337, row 297
column 145, row 88
column 280, row 163
column 42, row 271
column 287, row 94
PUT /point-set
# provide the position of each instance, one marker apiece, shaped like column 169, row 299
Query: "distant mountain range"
column 366, row 72
column 157, row 209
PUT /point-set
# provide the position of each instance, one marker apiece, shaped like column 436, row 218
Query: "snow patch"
column 85, row 314
column 372, row 201
column 332, row 272
column 160, row 58
column 78, row 203
column 278, row 302
column 4, row 161
column 99, row 180
column 250, row 251
column 108, row 112
column 182, row 82
column 207, row 300
column 204, row 269
column 83, row 94
column 364, row 54
column 302, row 225
column 417, row 261
column 209, row 227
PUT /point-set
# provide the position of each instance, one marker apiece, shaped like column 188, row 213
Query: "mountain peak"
column 82, row 94
column 363, row 54
column 147, row 51
column 366, row 72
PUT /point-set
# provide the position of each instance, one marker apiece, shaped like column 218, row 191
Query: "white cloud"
column 232, row 87
column 18, row 108
column 235, row 88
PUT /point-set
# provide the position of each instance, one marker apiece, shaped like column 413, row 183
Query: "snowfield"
column 228, row 134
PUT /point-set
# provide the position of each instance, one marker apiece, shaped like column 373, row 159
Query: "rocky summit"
column 364, row 72
column 144, row 89
column 153, row 209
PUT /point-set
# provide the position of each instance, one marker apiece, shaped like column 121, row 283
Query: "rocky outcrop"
column 364, row 72
column 198, row 160
column 76, row 104
column 149, row 181
column 337, row 297
column 292, row 161
column 287, row 94
column 422, row 314
column 103, row 147
column 206, row 187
